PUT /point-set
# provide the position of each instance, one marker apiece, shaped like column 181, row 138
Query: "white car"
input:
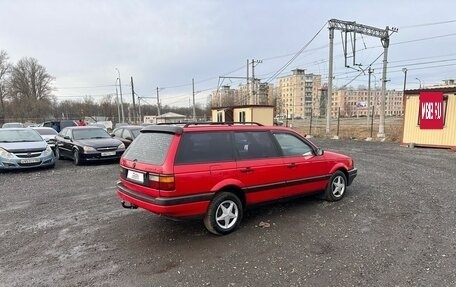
column 13, row 125
column 48, row 134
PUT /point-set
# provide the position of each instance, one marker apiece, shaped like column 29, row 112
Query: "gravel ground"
column 395, row 227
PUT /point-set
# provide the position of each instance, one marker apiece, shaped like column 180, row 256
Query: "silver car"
column 24, row 148
column 13, row 125
column 48, row 134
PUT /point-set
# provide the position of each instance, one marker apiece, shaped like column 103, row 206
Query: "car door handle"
column 291, row 165
column 247, row 169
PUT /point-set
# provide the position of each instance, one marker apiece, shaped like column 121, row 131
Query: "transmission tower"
column 352, row 28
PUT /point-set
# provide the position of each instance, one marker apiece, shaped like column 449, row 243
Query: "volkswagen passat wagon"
column 216, row 171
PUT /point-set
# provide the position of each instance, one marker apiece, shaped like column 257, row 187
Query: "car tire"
column 58, row 156
column 224, row 214
column 337, row 186
column 76, row 158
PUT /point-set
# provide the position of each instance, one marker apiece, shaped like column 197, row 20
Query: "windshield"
column 19, row 135
column 81, row 134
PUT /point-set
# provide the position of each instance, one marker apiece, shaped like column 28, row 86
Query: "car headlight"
column 121, row 146
column 5, row 154
column 88, row 148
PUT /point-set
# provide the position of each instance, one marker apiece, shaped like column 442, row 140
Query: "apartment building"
column 225, row 97
column 256, row 93
column 354, row 103
column 298, row 95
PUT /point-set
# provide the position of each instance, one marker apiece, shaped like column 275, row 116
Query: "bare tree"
column 30, row 89
column 5, row 68
column 108, row 106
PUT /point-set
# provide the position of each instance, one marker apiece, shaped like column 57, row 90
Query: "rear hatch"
column 147, row 165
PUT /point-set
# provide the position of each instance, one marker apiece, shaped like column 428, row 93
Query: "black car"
column 126, row 134
column 86, row 143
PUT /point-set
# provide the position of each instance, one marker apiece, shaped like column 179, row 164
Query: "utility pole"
column 118, row 105
column 248, row 91
column 330, row 80
column 405, row 79
column 370, row 71
column 194, row 111
column 253, row 97
column 133, row 96
column 121, row 100
column 254, row 92
column 420, row 82
column 158, row 103
column 139, row 110
column 381, row 125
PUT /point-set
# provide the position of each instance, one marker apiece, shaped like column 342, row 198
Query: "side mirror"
column 129, row 139
column 320, row 152
column 112, row 135
column 67, row 137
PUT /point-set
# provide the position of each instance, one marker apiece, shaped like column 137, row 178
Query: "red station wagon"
column 216, row 171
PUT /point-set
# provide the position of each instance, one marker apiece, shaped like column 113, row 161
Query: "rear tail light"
column 161, row 182
column 123, row 172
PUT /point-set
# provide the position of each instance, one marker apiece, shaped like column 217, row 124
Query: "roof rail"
column 221, row 123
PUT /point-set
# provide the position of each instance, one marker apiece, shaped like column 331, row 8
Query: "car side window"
column 255, row 145
column 291, row 145
column 204, row 147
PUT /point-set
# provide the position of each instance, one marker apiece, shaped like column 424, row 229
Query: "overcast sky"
column 167, row 43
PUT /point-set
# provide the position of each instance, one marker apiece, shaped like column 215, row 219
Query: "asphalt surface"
column 396, row 226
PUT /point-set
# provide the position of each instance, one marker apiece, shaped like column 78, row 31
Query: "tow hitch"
column 128, row 205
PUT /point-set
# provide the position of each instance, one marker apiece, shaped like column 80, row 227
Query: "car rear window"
column 149, row 148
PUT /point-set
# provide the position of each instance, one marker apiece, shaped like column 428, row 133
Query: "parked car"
column 217, row 171
column 58, row 125
column 13, row 125
column 98, row 125
column 24, row 148
column 48, row 134
column 107, row 125
column 87, row 144
column 118, row 125
column 126, row 134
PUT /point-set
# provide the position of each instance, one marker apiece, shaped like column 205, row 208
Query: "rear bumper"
column 351, row 175
column 179, row 206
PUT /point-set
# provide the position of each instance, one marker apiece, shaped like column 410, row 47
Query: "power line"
column 84, row 87
column 424, row 39
column 427, row 24
column 295, row 56
column 314, row 63
column 202, row 81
